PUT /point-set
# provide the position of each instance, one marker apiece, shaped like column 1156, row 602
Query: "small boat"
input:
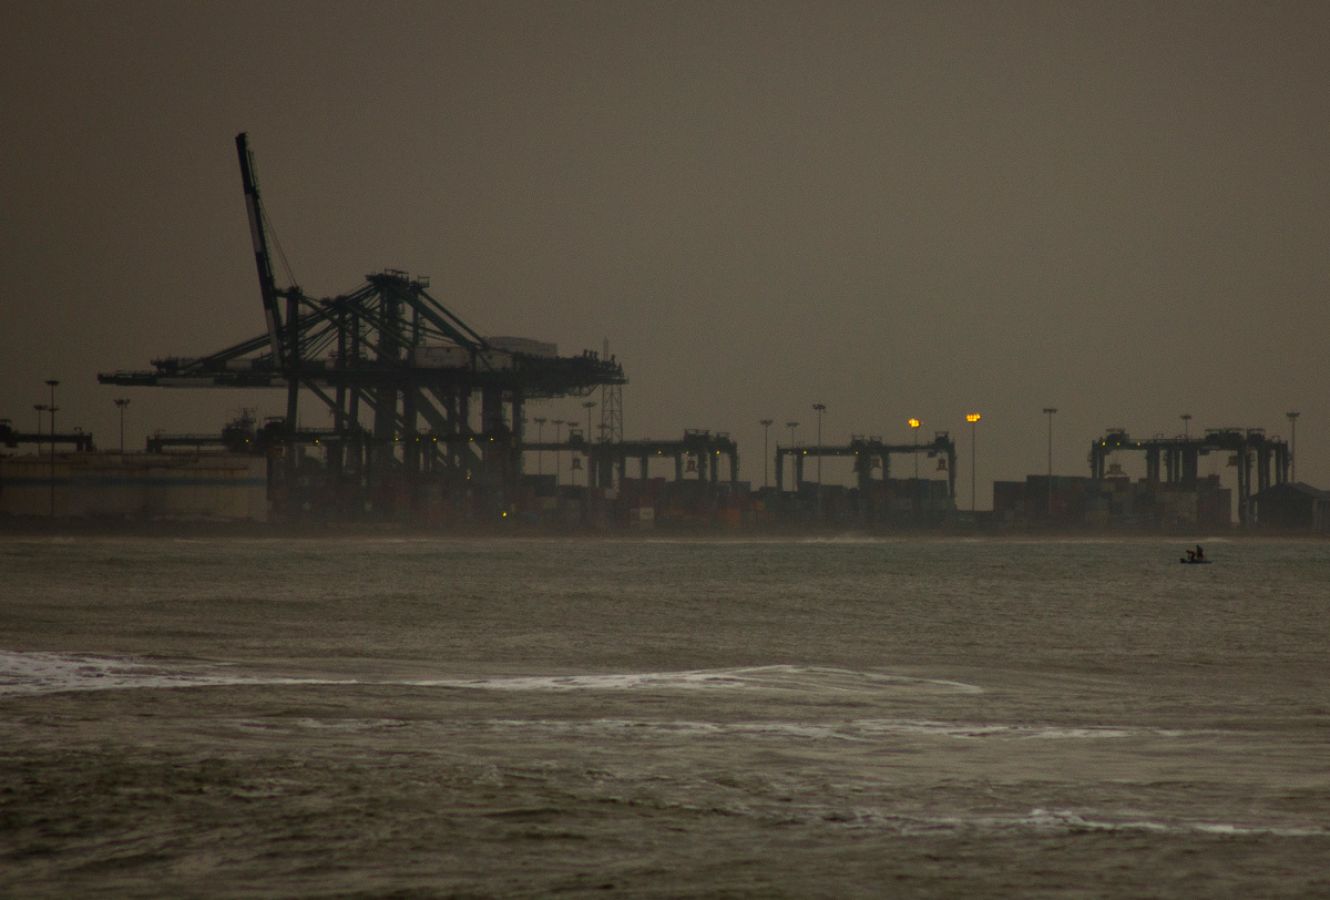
column 1194, row 557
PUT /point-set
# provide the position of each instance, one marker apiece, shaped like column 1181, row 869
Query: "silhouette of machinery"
column 398, row 372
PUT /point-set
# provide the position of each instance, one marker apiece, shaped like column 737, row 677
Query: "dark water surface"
column 665, row 718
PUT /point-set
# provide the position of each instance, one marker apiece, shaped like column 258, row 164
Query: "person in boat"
column 1200, row 553
column 1191, row 556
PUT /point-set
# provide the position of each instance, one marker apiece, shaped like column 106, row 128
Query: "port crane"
column 1176, row 460
column 397, row 370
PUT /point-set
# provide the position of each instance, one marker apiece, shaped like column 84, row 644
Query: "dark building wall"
column 1293, row 507
column 1111, row 502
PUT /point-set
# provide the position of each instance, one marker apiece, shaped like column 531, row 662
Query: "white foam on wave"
column 44, row 673
column 331, row 725
column 1054, row 821
column 604, row 682
column 49, row 673
column 771, row 678
column 856, row 730
column 993, row 729
column 1067, row 820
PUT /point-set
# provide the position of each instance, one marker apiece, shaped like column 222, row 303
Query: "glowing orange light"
column 913, row 423
column 972, row 417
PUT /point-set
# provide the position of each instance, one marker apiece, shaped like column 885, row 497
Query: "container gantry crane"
column 397, row 370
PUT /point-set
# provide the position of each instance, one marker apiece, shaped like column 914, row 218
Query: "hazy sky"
column 1118, row 209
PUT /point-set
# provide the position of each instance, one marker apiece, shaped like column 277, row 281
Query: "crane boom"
column 262, row 259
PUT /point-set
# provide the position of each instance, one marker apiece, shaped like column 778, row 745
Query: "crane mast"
column 262, row 259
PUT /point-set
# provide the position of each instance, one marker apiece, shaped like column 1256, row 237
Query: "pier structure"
column 699, row 452
column 869, row 453
column 12, row 437
column 243, row 435
column 696, row 456
column 400, row 375
column 878, row 498
column 1176, row 460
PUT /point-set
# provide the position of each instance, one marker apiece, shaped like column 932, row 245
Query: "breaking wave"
column 44, row 673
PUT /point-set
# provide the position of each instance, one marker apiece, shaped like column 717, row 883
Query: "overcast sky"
column 896, row 209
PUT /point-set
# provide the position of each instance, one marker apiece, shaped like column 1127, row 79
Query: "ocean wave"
column 1064, row 821
column 816, row 679
column 860, row 730
column 1069, row 820
column 49, row 673
column 41, row 672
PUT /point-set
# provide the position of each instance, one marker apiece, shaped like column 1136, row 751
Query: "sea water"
column 798, row 718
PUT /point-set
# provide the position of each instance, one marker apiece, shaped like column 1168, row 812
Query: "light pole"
column 973, row 419
column 41, row 408
column 914, row 431
column 588, row 406
column 51, row 383
column 558, row 448
column 1048, row 411
column 1186, row 426
column 914, row 434
column 791, row 426
column 1293, row 446
column 766, row 430
column 121, row 403
column 821, row 408
column 540, row 439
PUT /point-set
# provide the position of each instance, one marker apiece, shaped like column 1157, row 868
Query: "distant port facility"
column 429, row 426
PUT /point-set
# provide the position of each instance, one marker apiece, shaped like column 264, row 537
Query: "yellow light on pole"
column 914, row 430
column 973, row 419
